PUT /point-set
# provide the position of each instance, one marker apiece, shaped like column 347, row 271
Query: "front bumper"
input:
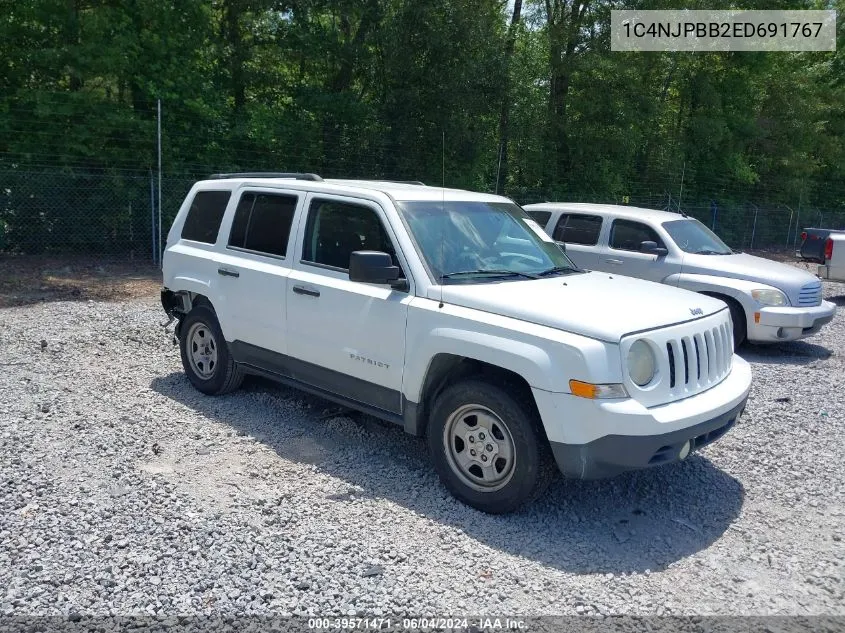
column 600, row 438
column 615, row 454
column 789, row 324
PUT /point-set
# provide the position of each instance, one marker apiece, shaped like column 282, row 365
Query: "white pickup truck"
column 452, row 314
column 769, row 301
column 833, row 268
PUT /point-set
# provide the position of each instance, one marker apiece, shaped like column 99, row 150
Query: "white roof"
column 396, row 190
column 619, row 211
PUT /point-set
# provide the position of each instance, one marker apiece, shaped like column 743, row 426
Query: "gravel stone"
column 290, row 507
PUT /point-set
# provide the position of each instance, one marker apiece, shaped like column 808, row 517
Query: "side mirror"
column 653, row 249
column 372, row 267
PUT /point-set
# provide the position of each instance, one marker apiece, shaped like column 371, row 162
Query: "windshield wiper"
column 709, row 252
column 492, row 273
column 557, row 269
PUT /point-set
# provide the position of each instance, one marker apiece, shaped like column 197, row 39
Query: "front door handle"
column 302, row 290
column 614, row 261
column 228, row 273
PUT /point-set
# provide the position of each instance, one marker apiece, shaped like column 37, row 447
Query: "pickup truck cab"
column 769, row 301
column 452, row 314
column 832, row 267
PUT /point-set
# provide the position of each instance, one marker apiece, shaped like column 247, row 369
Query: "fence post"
column 788, row 228
column 131, row 234
column 153, row 216
column 161, row 250
column 753, row 226
column 795, row 237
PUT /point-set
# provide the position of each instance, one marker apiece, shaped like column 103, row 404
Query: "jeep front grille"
column 692, row 358
column 699, row 359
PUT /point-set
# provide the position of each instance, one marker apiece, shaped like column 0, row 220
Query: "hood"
column 593, row 304
column 784, row 277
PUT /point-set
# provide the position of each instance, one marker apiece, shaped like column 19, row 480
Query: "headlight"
column 641, row 363
column 769, row 297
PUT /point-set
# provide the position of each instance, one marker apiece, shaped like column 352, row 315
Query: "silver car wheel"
column 479, row 448
column 202, row 350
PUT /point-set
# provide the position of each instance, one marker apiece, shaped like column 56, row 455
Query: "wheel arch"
column 446, row 369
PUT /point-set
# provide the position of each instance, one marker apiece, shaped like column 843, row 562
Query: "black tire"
column 223, row 374
column 532, row 466
column 738, row 318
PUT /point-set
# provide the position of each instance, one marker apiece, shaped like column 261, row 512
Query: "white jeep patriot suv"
column 454, row 315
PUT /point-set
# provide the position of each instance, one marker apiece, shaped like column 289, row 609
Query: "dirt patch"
column 786, row 256
column 25, row 280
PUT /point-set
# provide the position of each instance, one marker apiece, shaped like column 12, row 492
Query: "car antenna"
column 442, row 210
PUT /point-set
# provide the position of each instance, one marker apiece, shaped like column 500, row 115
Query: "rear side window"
column 578, row 229
column 540, row 217
column 627, row 235
column 262, row 223
column 205, row 216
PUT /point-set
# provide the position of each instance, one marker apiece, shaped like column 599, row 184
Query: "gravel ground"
column 125, row 491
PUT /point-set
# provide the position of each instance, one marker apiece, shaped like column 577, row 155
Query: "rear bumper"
column 831, row 274
column 615, row 454
column 789, row 324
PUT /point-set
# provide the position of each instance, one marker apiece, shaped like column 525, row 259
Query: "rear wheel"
column 488, row 448
column 205, row 355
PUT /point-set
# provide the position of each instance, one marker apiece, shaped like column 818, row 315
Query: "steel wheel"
column 479, row 448
column 202, row 350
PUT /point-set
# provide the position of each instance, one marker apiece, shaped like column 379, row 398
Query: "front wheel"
column 205, row 354
column 488, row 448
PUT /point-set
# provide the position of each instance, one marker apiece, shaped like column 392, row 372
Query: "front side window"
column 205, row 216
column 337, row 229
column 692, row 236
column 262, row 223
column 471, row 242
column 578, row 229
column 627, row 235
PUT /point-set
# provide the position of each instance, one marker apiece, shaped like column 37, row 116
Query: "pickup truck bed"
column 832, row 266
column 812, row 244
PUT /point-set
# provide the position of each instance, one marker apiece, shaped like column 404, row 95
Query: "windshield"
column 470, row 242
column 692, row 236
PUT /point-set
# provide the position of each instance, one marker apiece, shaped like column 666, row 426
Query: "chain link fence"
column 66, row 211
column 59, row 211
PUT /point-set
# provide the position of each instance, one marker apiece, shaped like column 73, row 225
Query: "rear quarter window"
column 202, row 223
column 540, row 217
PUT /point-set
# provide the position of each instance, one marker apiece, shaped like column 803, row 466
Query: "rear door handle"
column 302, row 290
column 614, row 261
column 228, row 273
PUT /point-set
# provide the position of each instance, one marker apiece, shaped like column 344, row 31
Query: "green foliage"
column 399, row 89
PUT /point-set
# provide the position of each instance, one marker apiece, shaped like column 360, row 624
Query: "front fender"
column 544, row 364
column 738, row 289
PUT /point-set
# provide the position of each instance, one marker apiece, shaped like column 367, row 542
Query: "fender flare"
column 532, row 362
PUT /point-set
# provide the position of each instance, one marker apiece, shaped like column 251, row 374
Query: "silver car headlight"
column 769, row 297
column 641, row 363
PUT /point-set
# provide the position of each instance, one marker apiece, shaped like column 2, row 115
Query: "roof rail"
column 267, row 174
column 398, row 182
